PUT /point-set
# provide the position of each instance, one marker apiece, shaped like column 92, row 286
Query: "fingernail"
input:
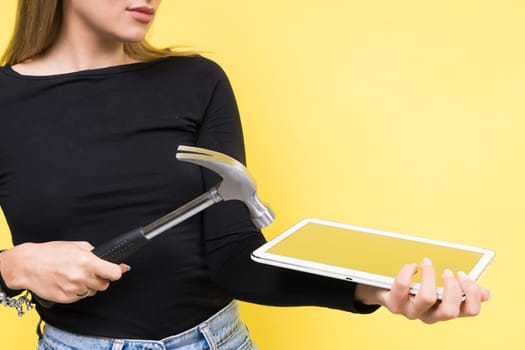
column 490, row 295
column 448, row 273
column 128, row 267
column 427, row 262
column 462, row 275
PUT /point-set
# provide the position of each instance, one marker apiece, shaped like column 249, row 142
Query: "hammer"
column 236, row 184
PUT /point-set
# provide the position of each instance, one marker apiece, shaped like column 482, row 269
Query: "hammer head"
column 236, row 184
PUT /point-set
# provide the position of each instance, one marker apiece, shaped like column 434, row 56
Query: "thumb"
column 125, row 268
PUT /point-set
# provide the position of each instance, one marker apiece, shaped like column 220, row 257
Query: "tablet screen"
column 380, row 253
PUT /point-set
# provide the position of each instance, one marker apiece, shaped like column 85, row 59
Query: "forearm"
column 234, row 270
column 230, row 237
column 369, row 295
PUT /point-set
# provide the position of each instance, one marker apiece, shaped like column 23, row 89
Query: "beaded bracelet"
column 18, row 303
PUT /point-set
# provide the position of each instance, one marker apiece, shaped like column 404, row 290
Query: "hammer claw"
column 191, row 151
column 236, row 184
column 216, row 161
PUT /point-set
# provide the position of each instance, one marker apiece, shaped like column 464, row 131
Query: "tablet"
column 365, row 255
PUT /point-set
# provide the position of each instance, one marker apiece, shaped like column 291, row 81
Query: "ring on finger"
column 84, row 295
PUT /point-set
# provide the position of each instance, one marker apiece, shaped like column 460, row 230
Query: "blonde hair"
column 37, row 25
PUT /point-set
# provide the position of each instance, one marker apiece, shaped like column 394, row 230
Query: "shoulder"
column 5, row 71
column 10, row 81
column 193, row 65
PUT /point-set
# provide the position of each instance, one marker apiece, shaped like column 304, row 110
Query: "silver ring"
column 82, row 296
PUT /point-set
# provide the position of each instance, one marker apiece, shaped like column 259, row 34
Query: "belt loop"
column 206, row 332
column 117, row 345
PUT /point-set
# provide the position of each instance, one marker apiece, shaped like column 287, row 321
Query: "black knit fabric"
column 90, row 155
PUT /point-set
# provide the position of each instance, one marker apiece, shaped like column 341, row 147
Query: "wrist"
column 7, row 295
column 11, row 268
column 369, row 295
column 2, row 256
column 4, row 288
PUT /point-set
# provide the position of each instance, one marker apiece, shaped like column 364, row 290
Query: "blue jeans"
column 222, row 331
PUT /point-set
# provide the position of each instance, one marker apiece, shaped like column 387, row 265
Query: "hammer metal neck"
column 179, row 215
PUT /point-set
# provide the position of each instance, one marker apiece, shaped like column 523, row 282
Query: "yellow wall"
column 400, row 115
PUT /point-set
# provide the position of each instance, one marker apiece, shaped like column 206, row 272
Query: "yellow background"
column 403, row 115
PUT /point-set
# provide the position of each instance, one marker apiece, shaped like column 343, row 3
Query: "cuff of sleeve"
column 365, row 309
column 340, row 295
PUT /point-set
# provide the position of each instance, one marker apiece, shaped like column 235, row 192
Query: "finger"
column 449, row 307
column 83, row 295
column 106, row 270
column 486, row 295
column 426, row 295
column 398, row 297
column 98, row 284
column 125, row 268
column 88, row 293
column 472, row 304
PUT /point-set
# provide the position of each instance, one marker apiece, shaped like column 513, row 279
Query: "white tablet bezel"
column 262, row 255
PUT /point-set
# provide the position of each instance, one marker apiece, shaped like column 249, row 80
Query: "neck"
column 82, row 46
column 77, row 48
column 72, row 53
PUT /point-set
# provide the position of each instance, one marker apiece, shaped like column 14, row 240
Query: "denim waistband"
column 223, row 327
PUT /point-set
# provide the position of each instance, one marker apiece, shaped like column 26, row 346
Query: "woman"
column 91, row 118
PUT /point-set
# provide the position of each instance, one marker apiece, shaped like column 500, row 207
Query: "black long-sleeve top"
column 91, row 154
